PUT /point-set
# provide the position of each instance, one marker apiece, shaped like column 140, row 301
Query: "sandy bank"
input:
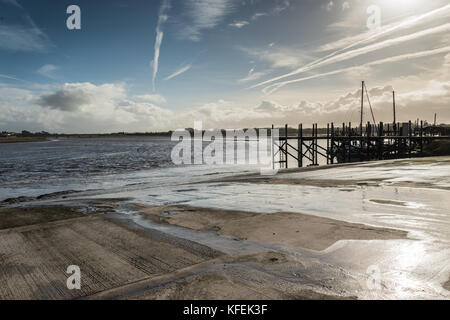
column 120, row 260
column 291, row 229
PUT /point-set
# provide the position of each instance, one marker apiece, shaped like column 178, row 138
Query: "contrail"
column 273, row 87
column 313, row 64
column 178, row 72
column 159, row 38
column 11, row 78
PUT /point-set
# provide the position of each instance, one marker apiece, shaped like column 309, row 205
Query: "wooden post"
column 328, row 143
column 331, row 151
column 316, row 149
column 410, row 140
column 421, row 137
column 311, row 149
column 300, row 145
column 368, row 147
column 381, row 147
column 286, row 145
column 273, row 149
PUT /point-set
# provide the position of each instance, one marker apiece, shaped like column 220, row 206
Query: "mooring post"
column 300, row 145
column 331, row 151
column 421, row 137
column 381, row 138
column 286, row 145
column 311, row 146
column 410, row 139
column 273, row 148
column 344, row 143
column 369, row 144
column 328, row 143
column 316, row 147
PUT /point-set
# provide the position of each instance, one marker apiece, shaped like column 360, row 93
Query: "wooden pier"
column 344, row 144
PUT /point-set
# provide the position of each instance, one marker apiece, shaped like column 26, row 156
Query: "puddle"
column 408, row 204
column 173, row 212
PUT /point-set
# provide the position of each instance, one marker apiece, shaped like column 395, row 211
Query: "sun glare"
column 402, row 5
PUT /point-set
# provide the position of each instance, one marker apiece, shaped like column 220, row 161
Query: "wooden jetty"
column 345, row 143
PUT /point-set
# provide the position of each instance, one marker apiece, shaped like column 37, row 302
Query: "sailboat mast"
column 393, row 99
column 362, row 109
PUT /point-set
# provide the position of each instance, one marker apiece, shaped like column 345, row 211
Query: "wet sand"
column 248, row 277
column 287, row 228
column 120, row 260
column 294, row 176
column 35, row 256
column 203, row 250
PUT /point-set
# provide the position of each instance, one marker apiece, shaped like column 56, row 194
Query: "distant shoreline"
column 22, row 139
column 16, row 139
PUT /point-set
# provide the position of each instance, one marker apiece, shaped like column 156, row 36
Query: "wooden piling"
column 300, row 145
column 286, row 145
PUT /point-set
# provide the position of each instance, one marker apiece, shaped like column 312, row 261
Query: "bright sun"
column 405, row 5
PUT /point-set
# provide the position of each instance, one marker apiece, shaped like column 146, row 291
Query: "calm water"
column 37, row 168
column 43, row 167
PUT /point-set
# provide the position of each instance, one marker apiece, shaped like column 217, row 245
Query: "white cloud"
column 239, row 24
column 281, row 6
column 252, row 76
column 154, row 98
column 85, row 107
column 204, row 15
column 257, row 15
column 345, row 5
column 347, row 55
column 371, row 35
column 20, row 38
column 277, row 57
column 273, row 87
column 48, row 70
column 178, row 72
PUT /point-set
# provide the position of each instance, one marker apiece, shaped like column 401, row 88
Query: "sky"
column 156, row 65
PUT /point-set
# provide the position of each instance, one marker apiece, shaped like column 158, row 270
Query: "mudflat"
column 292, row 229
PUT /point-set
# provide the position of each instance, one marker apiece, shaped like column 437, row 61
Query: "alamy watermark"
column 250, row 146
column 74, row 280
column 73, row 22
column 374, row 19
